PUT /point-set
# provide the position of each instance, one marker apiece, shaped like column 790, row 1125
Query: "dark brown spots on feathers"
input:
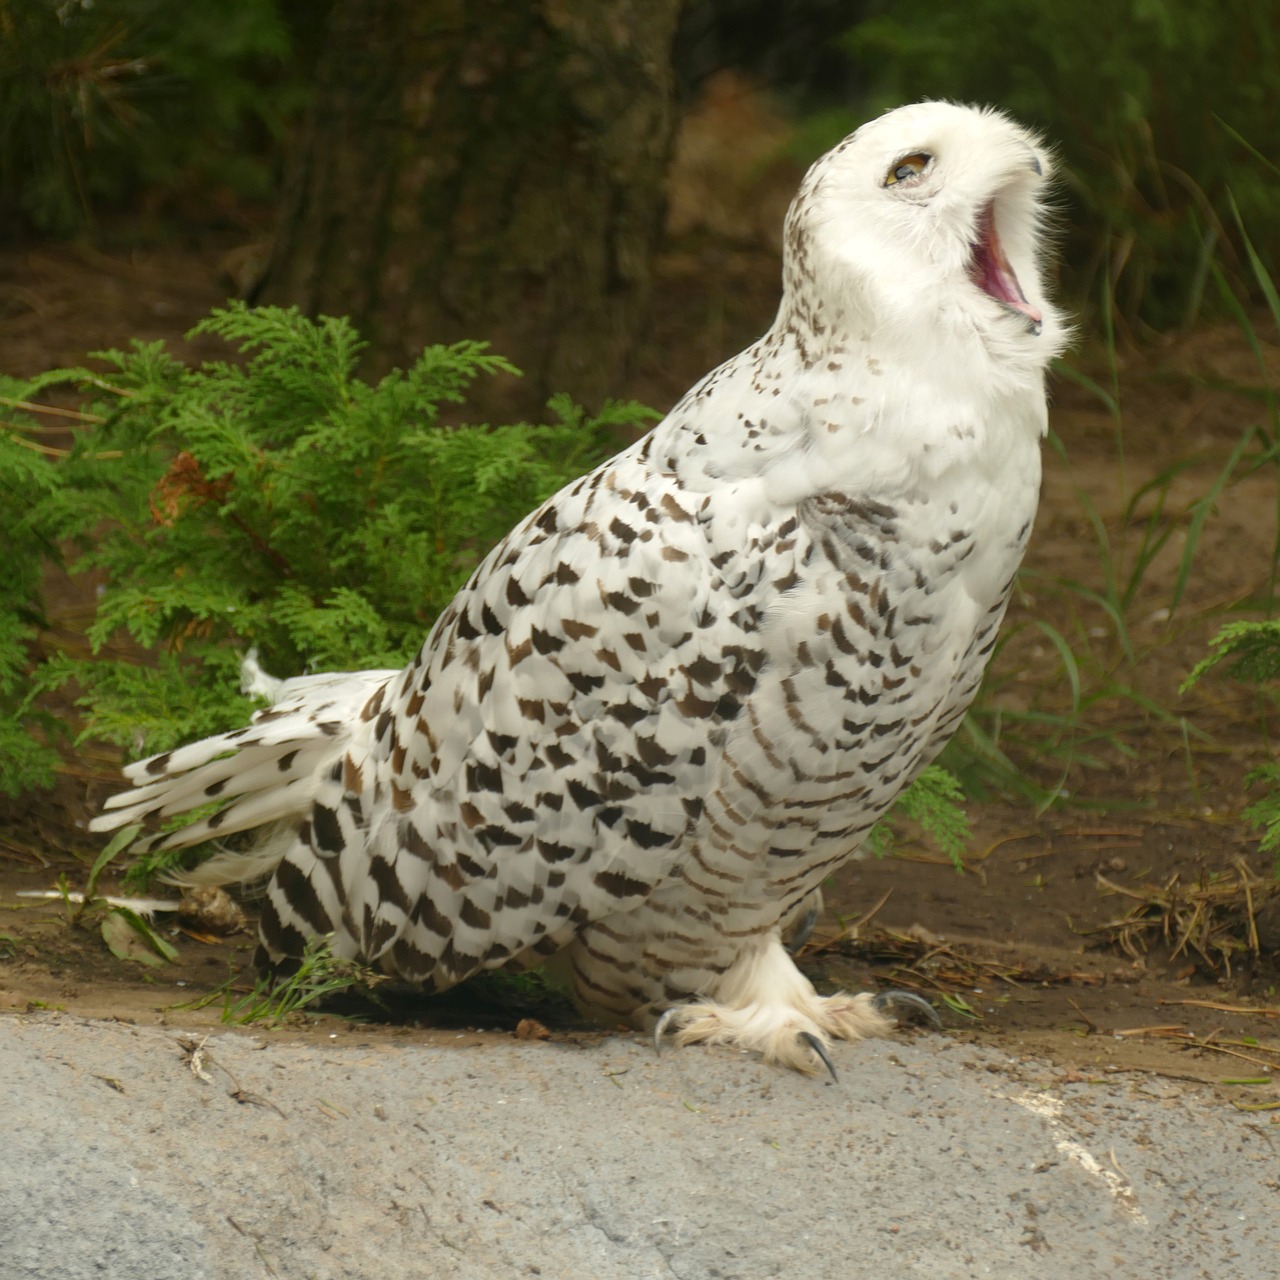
column 622, row 531
column 457, row 963
column 727, row 708
column 389, row 887
column 674, row 510
column 654, row 755
column 583, row 683
column 583, row 796
column 695, row 708
column 647, row 837
column 412, row 841
column 621, row 602
column 483, row 777
column 278, row 940
column 517, row 812
column 551, row 851
column 489, row 620
column 494, row 836
column 327, row 831
column 544, row 642
column 301, row 896
column 628, row 713
column 427, row 914
column 618, row 885
column 452, row 875
column 472, row 915
column 352, row 777
column 374, row 705
column 702, row 670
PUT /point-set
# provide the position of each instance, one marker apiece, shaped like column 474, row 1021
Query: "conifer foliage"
column 275, row 502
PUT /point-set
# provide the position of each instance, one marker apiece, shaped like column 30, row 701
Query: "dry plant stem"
column 53, row 411
column 1091, row 1027
column 848, row 930
column 1261, row 1011
column 1248, row 897
column 1216, row 919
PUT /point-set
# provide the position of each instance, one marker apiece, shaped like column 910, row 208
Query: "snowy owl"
column 678, row 695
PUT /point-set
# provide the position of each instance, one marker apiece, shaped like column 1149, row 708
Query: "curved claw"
column 909, row 1002
column 821, row 1050
column 803, row 931
column 660, row 1027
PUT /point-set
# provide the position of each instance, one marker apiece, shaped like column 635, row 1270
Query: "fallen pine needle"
column 1235, row 1053
column 1263, row 1011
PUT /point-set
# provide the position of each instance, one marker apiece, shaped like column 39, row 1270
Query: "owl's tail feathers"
column 261, row 777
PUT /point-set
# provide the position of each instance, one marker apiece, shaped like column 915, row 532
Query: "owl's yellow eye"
column 908, row 167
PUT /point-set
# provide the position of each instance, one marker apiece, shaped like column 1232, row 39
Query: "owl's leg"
column 764, row 1004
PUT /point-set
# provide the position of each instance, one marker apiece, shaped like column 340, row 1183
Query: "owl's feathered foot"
column 763, row 1004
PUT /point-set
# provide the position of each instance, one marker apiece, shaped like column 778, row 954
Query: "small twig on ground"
column 1262, row 1011
column 196, row 1057
column 1090, row 1025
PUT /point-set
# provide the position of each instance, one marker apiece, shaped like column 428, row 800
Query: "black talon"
column 908, row 1001
column 803, row 931
column 821, row 1050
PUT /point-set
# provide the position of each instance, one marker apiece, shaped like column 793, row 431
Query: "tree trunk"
column 485, row 169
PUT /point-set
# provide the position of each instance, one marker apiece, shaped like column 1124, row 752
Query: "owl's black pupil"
column 903, row 172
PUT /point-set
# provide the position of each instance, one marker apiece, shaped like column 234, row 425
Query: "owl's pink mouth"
column 991, row 272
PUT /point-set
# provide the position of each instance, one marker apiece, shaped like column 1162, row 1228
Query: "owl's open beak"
column 991, row 272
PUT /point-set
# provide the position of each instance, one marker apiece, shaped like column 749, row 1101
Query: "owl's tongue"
column 992, row 273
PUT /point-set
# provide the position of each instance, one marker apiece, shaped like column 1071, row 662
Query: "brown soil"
column 1155, row 789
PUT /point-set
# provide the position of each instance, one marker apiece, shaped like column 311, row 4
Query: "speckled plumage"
column 679, row 694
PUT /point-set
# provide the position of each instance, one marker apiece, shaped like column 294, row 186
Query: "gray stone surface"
column 503, row 1159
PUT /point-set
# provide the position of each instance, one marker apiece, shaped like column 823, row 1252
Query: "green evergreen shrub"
column 27, row 479
column 285, row 505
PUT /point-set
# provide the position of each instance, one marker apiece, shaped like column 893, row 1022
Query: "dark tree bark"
column 486, row 169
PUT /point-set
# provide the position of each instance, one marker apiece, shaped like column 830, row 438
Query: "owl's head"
column 930, row 222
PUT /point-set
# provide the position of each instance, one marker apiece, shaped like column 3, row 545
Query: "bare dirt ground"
column 1016, row 951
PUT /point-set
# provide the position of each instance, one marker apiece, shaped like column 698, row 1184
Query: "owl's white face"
column 929, row 221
